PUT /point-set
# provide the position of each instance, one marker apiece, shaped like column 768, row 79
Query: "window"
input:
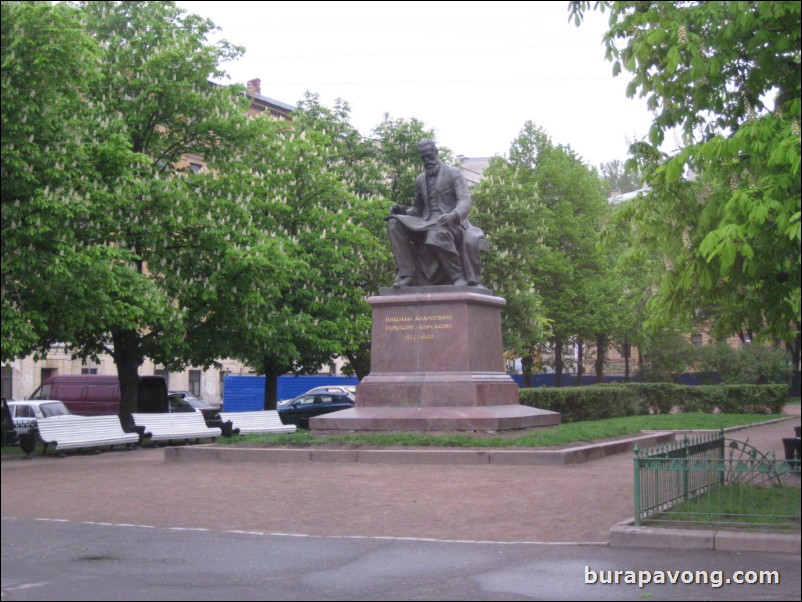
column 195, row 382
column 697, row 339
column 222, row 383
column 24, row 412
column 8, row 389
column 88, row 368
column 46, row 373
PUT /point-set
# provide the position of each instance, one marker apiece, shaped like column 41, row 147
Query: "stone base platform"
column 434, row 419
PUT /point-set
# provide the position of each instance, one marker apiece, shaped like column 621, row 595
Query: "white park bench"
column 265, row 421
column 83, row 432
column 177, row 426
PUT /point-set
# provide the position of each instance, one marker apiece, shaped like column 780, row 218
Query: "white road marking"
column 309, row 535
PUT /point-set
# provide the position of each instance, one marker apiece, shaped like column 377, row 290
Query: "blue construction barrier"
column 247, row 393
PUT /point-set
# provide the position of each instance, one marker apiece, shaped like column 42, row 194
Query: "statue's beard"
column 432, row 168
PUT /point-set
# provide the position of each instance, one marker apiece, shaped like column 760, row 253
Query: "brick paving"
column 573, row 503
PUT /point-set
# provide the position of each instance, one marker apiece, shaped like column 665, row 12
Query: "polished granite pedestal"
column 437, row 364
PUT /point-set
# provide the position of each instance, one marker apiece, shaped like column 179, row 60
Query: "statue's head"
column 428, row 153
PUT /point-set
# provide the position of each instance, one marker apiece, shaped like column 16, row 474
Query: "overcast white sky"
column 472, row 71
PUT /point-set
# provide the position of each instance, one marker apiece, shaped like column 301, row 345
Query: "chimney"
column 255, row 87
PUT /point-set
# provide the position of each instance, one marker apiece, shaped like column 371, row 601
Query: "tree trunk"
column 580, row 366
column 272, row 372
column 794, row 351
column 601, row 346
column 526, row 368
column 360, row 360
column 127, row 357
column 558, row 362
column 626, row 350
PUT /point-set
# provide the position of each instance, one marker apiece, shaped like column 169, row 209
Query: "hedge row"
column 633, row 399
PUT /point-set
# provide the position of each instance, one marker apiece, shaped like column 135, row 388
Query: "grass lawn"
column 741, row 505
column 564, row 434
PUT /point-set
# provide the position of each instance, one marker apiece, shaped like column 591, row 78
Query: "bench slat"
column 76, row 432
column 177, row 426
column 265, row 421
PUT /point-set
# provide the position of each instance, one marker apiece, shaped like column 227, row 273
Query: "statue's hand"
column 448, row 218
column 397, row 209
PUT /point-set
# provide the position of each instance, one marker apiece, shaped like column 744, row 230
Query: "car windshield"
column 185, row 394
column 42, row 392
column 197, row 403
column 179, row 404
column 54, row 409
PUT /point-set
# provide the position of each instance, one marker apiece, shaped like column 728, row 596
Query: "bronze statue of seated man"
column 433, row 241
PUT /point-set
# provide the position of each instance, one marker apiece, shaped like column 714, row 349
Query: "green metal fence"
column 710, row 480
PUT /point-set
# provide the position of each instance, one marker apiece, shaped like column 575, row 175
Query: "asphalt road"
column 53, row 560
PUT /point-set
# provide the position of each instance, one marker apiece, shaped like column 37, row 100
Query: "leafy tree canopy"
column 725, row 208
column 113, row 242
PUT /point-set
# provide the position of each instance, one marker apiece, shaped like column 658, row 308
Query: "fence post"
column 685, row 486
column 637, row 486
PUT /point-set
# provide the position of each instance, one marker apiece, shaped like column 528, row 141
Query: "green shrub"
column 633, row 399
column 751, row 364
column 666, row 357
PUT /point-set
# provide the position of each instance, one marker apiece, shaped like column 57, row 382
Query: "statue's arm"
column 417, row 203
column 464, row 201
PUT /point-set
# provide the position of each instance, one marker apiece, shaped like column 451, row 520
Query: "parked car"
column 196, row 401
column 179, row 403
column 24, row 415
column 99, row 395
column 333, row 389
column 299, row 410
column 176, row 403
column 347, row 390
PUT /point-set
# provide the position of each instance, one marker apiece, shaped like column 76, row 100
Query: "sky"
column 474, row 72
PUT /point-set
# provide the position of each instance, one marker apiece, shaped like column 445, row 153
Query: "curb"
column 571, row 455
column 626, row 535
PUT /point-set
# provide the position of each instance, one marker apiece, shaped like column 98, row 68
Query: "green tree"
column 619, row 178
column 315, row 310
column 507, row 208
column 50, row 151
column 135, row 245
column 751, row 364
column 636, row 274
column 544, row 206
column 360, row 165
column 726, row 77
column 565, row 274
column 666, row 355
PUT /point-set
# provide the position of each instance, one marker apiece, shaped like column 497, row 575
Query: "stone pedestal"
column 437, row 364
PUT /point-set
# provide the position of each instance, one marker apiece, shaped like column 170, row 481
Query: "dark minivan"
column 98, row 394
